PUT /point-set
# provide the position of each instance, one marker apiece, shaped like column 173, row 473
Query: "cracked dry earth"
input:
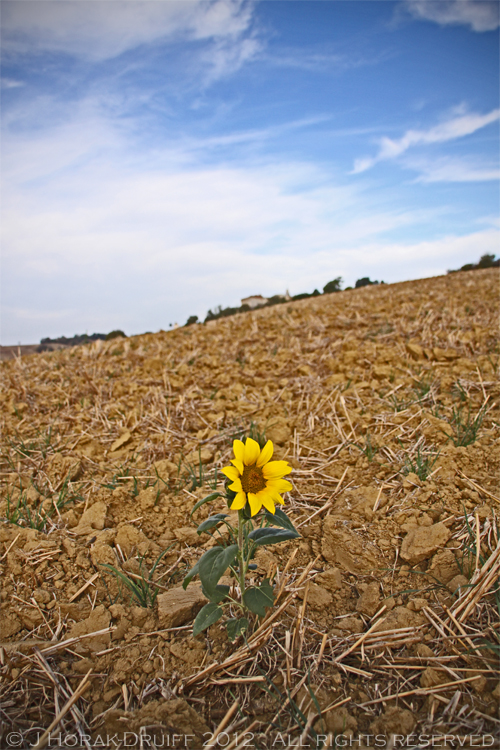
column 385, row 402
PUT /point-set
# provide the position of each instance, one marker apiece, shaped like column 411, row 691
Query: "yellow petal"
column 276, row 496
column 252, row 452
column 239, row 464
column 255, row 503
column 236, row 486
column 266, row 500
column 266, row 454
column 231, row 472
column 239, row 501
column 238, row 450
column 280, row 485
column 276, row 469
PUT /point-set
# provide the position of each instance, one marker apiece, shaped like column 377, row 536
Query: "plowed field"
column 385, row 401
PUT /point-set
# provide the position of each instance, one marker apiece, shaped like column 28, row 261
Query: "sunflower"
column 255, row 478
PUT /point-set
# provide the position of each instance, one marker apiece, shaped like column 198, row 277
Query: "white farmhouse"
column 257, row 300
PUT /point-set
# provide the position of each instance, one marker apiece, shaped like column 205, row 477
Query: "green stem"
column 241, row 521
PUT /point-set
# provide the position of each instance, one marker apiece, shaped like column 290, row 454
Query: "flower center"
column 252, row 479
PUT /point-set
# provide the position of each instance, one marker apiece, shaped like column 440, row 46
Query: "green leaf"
column 272, row 535
column 257, row 598
column 280, row 518
column 218, row 594
column 207, row 499
column 235, row 627
column 211, row 522
column 214, row 563
column 191, row 574
column 206, row 617
column 162, row 554
column 230, row 494
column 246, row 512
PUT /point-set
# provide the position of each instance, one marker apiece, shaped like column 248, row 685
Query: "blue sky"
column 160, row 158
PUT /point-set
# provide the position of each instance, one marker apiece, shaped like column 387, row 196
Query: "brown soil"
column 384, row 610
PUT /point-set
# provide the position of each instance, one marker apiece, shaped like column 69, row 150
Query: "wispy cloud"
column 480, row 15
column 323, row 62
column 257, row 135
column 221, row 32
column 226, row 56
column 11, row 83
column 101, row 30
column 456, row 127
column 453, row 170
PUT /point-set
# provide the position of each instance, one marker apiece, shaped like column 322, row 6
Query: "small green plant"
column 258, row 435
column 423, row 387
column 135, row 489
column 141, row 587
column 253, row 487
column 369, row 450
column 254, row 432
column 39, row 515
column 459, row 391
column 41, row 443
column 491, row 645
column 399, row 404
column 466, row 565
column 192, row 474
column 466, row 558
column 25, row 516
column 420, row 463
column 294, row 710
column 465, row 425
column 114, row 482
column 195, row 473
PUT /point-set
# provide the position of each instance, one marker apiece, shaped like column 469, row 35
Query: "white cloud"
column 225, row 57
column 11, row 83
column 454, row 170
column 139, row 250
column 260, row 135
column 221, row 18
column 456, row 127
column 480, row 15
column 141, row 280
column 99, row 234
column 137, row 240
column 100, row 30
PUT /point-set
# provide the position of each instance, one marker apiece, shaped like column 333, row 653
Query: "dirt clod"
column 176, row 607
column 421, row 543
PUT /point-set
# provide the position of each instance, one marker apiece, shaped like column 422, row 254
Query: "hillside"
column 384, row 399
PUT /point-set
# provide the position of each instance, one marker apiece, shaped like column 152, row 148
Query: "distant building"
column 257, row 300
